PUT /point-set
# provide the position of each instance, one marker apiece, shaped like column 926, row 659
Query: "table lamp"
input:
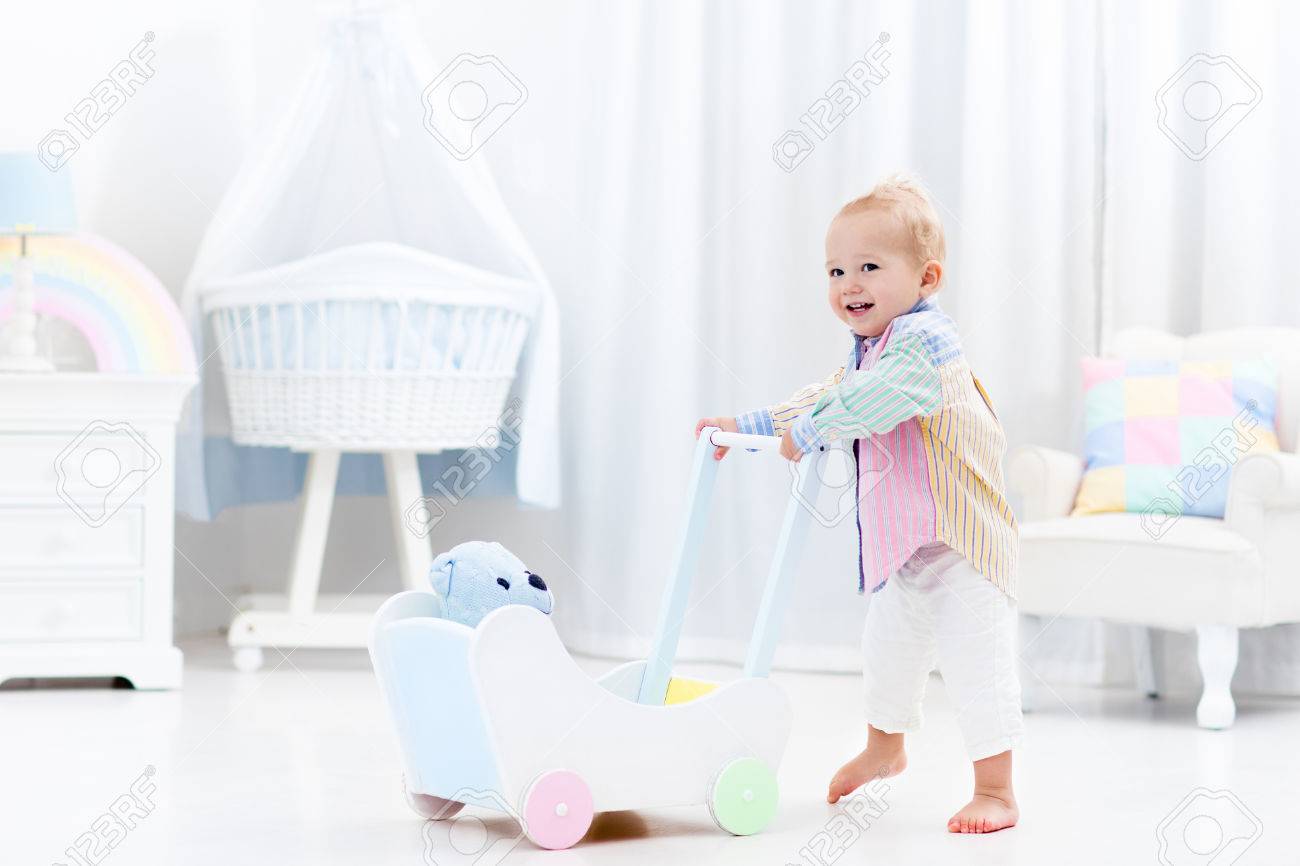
column 33, row 201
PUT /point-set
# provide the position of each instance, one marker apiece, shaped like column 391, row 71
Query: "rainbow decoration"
column 119, row 306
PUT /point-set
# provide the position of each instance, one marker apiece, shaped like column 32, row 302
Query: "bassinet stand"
column 303, row 617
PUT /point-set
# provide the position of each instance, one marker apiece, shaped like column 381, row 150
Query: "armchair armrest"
column 1264, row 507
column 1262, row 481
column 1046, row 479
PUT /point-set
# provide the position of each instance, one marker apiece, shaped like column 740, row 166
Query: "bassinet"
column 372, row 347
column 367, row 292
column 369, row 348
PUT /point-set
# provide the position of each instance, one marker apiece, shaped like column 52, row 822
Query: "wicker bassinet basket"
column 415, row 370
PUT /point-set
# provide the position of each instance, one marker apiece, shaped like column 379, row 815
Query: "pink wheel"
column 557, row 809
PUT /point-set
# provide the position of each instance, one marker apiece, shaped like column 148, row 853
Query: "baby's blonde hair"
column 906, row 198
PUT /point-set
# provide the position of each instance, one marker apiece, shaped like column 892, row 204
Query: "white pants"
column 940, row 611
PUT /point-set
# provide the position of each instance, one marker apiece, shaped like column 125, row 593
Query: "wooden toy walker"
column 501, row 716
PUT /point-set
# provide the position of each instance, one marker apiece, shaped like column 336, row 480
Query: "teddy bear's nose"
column 536, row 582
column 505, row 584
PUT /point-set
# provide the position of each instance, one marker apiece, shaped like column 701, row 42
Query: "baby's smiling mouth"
column 858, row 309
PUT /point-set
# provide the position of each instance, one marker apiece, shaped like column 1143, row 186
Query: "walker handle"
column 776, row 592
column 748, row 441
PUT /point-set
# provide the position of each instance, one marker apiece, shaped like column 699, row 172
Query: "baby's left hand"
column 789, row 450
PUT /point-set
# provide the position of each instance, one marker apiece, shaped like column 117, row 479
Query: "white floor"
column 295, row 766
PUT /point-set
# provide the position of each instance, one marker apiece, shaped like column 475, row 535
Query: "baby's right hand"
column 728, row 424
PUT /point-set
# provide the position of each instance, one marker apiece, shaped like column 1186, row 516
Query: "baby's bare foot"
column 985, row 813
column 883, row 757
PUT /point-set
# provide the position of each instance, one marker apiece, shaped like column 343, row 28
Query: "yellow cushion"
column 682, row 689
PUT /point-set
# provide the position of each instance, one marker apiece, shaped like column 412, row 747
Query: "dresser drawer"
column 35, row 538
column 69, row 612
column 108, row 460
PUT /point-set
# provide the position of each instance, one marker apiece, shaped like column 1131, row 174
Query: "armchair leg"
column 1144, row 660
column 1216, row 653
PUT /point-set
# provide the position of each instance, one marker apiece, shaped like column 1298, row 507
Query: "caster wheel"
column 742, row 799
column 557, row 809
column 429, row 807
column 248, row 659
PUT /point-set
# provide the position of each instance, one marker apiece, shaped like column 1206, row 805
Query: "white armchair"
column 1208, row 575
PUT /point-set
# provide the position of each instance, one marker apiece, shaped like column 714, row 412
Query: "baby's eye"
column 870, row 267
column 836, row 272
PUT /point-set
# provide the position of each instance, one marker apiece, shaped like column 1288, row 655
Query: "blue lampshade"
column 33, row 199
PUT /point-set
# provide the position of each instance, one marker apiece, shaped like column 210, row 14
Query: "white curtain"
column 1197, row 244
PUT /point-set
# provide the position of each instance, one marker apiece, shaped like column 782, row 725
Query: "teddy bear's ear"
column 508, row 559
column 500, row 553
column 440, row 573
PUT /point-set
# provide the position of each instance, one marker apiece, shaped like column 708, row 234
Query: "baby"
column 937, row 539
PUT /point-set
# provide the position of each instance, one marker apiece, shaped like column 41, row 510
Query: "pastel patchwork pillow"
column 1164, row 435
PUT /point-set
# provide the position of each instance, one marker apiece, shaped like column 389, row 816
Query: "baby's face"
column 874, row 273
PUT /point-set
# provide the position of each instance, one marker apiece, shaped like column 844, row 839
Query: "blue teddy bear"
column 477, row 577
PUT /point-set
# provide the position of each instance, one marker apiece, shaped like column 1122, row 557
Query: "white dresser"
column 87, row 483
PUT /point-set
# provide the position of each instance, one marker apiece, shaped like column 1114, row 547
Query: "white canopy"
column 351, row 165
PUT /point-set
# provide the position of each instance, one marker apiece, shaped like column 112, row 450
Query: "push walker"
column 500, row 716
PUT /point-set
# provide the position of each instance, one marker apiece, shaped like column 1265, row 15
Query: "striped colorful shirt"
column 927, row 444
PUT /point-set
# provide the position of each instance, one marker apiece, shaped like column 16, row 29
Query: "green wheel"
column 742, row 799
